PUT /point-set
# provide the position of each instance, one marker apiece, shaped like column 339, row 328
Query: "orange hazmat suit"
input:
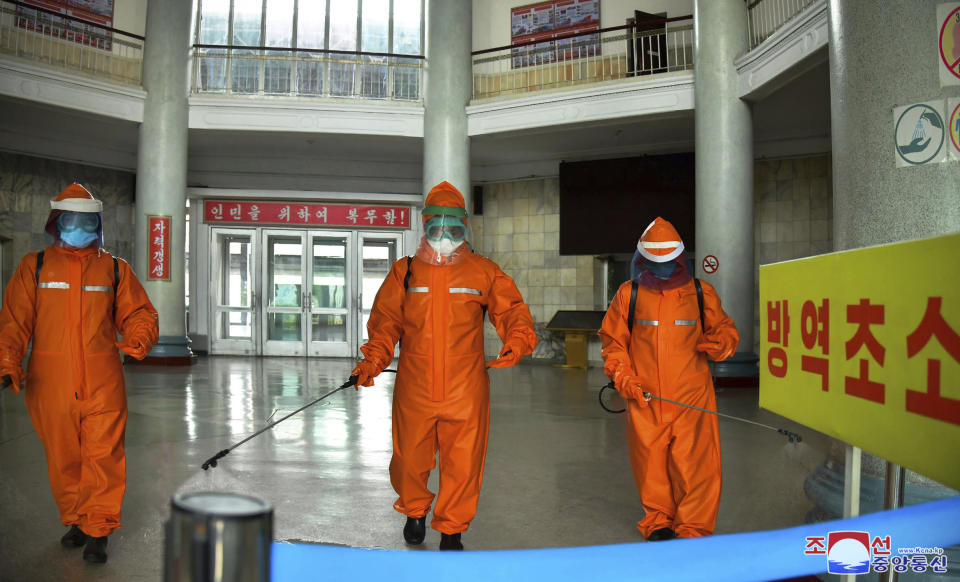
column 674, row 450
column 442, row 395
column 75, row 390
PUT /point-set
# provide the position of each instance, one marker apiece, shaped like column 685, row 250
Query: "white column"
column 874, row 201
column 724, row 166
column 162, row 165
column 446, row 144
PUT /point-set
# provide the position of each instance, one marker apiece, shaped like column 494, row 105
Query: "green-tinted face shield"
column 441, row 227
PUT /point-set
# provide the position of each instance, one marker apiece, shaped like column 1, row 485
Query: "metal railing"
column 240, row 70
column 764, row 17
column 617, row 52
column 70, row 43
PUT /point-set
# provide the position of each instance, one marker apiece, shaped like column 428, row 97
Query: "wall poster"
column 548, row 20
column 96, row 11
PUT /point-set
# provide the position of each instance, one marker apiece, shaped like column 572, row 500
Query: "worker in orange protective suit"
column 434, row 305
column 674, row 450
column 71, row 300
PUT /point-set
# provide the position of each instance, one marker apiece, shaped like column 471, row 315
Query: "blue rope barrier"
column 763, row 555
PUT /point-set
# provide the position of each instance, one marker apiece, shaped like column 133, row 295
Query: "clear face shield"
column 443, row 241
column 79, row 229
column 659, row 276
column 72, row 221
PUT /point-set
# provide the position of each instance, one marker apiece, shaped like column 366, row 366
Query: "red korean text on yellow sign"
column 884, row 372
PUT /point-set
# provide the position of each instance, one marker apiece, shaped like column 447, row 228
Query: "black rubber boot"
column 415, row 530
column 96, row 550
column 662, row 534
column 450, row 542
column 73, row 538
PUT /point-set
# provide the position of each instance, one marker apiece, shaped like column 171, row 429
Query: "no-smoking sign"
column 948, row 21
column 710, row 264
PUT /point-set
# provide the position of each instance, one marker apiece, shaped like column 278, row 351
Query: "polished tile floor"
column 557, row 472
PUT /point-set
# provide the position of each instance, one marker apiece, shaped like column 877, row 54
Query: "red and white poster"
column 158, row 248
column 98, row 12
column 548, row 20
column 301, row 213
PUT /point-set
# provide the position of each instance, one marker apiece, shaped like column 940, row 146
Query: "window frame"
column 228, row 81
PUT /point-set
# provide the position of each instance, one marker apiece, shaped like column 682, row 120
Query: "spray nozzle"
column 791, row 436
column 212, row 461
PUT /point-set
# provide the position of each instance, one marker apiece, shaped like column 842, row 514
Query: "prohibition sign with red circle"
column 953, row 121
column 952, row 67
column 710, row 264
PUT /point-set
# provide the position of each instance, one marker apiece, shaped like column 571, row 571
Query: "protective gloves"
column 134, row 347
column 717, row 346
column 510, row 355
column 365, row 372
column 628, row 385
column 16, row 376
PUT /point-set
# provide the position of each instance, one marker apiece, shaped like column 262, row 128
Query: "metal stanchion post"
column 892, row 499
column 217, row 537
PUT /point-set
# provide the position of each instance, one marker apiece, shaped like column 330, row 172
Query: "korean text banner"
column 301, row 213
column 863, row 345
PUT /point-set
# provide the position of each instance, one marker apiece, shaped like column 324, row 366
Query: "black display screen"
column 606, row 204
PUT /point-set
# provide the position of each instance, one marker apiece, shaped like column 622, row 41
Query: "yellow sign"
column 864, row 346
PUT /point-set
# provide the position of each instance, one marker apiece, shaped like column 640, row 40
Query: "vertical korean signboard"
column 863, row 345
column 158, row 247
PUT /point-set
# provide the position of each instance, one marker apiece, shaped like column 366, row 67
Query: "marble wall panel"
column 525, row 215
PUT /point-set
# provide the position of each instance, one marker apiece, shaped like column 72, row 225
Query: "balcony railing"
column 70, row 43
column 764, row 17
column 618, row 52
column 270, row 71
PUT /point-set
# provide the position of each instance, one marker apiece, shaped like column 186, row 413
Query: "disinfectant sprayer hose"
column 212, row 461
column 792, row 436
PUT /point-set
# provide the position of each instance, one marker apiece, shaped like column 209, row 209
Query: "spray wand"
column 212, row 461
column 791, row 436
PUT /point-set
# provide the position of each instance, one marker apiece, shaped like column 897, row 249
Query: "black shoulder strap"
column 700, row 303
column 633, row 306
column 406, row 278
column 39, row 266
column 116, row 283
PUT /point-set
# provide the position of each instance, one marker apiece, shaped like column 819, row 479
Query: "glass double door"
column 297, row 293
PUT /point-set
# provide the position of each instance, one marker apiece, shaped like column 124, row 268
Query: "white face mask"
column 444, row 246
